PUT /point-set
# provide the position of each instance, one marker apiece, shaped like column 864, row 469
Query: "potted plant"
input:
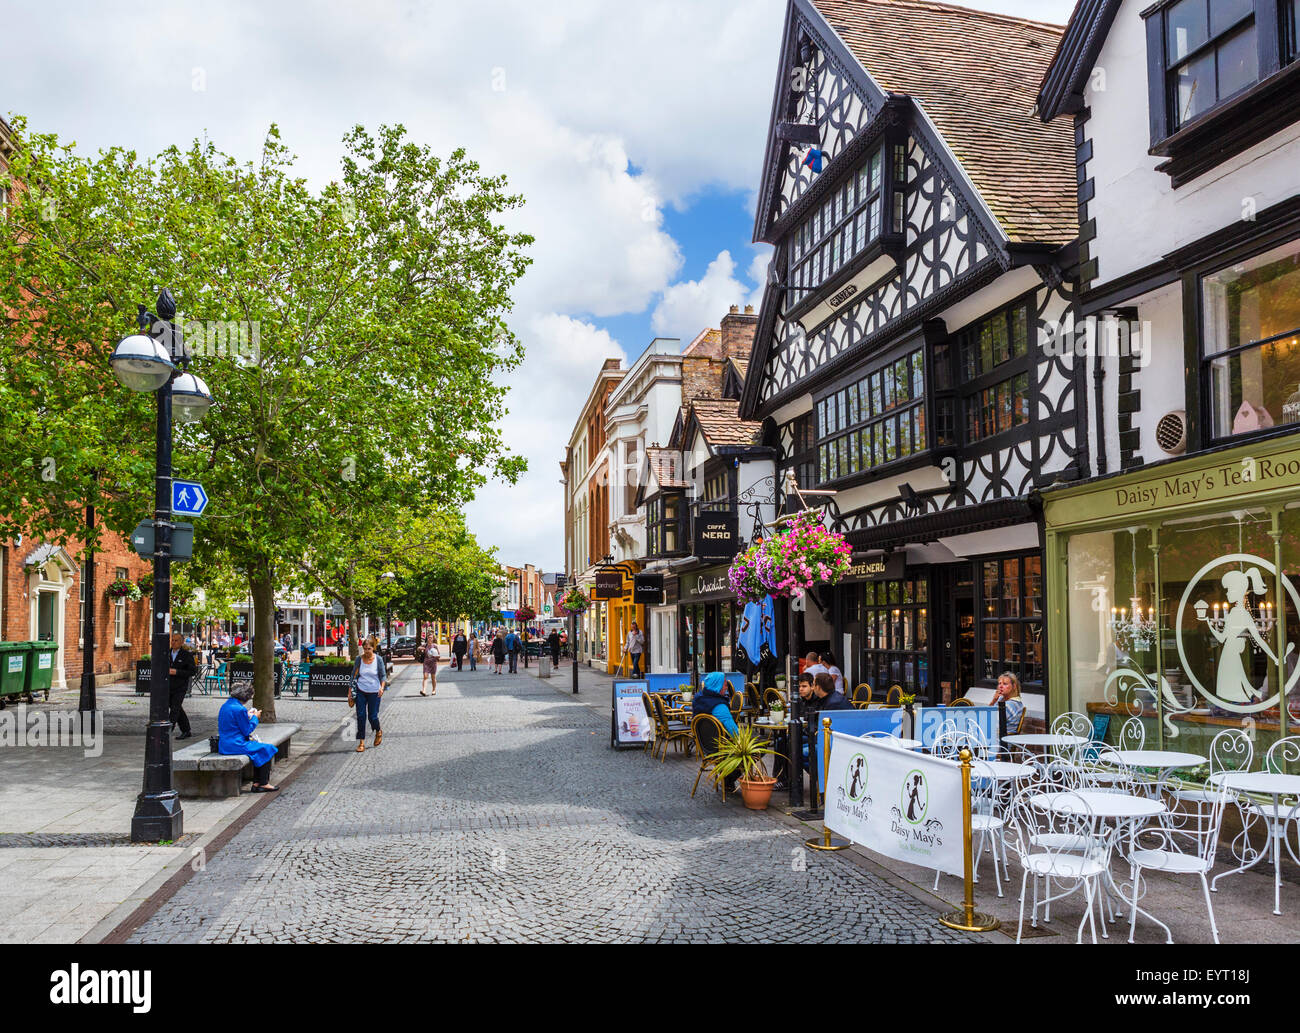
column 744, row 753
column 688, row 693
column 777, row 711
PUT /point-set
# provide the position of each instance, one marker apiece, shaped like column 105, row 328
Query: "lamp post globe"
column 141, row 364
column 191, row 398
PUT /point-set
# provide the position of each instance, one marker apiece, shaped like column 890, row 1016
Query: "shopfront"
column 706, row 620
column 940, row 630
column 1173, row 596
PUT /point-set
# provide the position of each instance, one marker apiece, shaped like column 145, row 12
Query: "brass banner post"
column 968, row 919
column 826, row 841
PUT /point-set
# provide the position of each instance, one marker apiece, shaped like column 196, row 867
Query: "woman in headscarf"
column 235, row 726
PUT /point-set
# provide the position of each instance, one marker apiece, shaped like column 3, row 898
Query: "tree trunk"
column 350, row 614
column 262, row 588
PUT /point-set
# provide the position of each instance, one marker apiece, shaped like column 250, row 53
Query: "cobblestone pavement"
column 496, row 812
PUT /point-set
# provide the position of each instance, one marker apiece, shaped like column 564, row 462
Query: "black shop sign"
column 717, row 536
column 648, row 589
column 609, row 585
column 877, row 568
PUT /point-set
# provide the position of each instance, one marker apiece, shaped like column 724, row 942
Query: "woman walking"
column 498, row 651
column 430, row 666
column 369, row 679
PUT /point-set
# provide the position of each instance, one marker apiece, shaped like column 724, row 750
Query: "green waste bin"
column 14, row 658
column 40, row 667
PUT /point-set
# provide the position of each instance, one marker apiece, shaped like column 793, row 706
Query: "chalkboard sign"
column 629, row 724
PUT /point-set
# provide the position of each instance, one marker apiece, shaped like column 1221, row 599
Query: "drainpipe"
column 1099, row 407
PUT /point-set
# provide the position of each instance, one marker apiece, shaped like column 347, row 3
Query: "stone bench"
column 198, row 772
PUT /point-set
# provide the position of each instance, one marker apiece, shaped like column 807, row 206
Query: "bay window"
column 994, row 357
column 1251, row 342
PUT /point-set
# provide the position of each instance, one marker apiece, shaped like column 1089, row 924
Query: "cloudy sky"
column 634, row 130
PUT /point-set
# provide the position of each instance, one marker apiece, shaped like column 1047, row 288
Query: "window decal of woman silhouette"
column 1239, row 629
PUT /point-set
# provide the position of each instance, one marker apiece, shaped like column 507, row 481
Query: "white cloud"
column 688, row 307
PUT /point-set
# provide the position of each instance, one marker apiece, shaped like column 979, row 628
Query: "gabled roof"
column 1061, row 91
column 664, row 464
column 720, row 423
column 976, row 76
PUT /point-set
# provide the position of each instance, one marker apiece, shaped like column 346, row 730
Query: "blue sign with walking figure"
column 188, row 498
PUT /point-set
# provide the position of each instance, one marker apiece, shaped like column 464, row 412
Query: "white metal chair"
column 1184, row 843
column 1132, row 735
column 1057, row 844
column 987, row 825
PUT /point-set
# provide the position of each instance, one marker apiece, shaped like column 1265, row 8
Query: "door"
column 45, row 616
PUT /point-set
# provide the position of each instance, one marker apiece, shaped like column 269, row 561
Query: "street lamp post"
column 142, row 363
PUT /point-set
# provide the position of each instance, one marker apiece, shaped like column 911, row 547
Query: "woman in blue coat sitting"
column 235, row 725
column 714, row 699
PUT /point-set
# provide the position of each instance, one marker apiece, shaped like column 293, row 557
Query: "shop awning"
column 930, row 527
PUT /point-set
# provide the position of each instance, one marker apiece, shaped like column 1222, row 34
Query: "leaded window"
column 877, row 420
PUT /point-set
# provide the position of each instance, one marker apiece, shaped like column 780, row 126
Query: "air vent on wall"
column 1171, row 432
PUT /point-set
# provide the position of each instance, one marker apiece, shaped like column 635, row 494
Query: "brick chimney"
column 701, row 377
column 738, row 333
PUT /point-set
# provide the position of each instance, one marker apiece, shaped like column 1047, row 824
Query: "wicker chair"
column 771, row 696
column 668, row 730
column 654, row 722
column 861, row 696
column 961, row 701
column 707, row 733
column 894, row 697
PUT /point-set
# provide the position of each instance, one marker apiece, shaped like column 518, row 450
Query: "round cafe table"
column 1162, row 761
column 1275, row 785
column 1045, row 739
column 1121, row 808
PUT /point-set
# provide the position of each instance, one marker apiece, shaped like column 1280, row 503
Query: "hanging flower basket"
column 145, row 584
column 575, row 600
column 122, row 588
column 790, row 563
column 525, row 614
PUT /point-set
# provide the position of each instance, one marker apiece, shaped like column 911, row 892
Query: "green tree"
column 349, row 335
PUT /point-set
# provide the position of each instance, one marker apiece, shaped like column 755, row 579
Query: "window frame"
column 121, row 625
column 1236, row 122
column 1204, row 358
column 973, row 386
column 1021, row 620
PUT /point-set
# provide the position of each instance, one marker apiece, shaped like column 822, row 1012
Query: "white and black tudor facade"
column 907, row 354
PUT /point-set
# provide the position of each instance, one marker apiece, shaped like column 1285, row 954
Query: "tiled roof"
column 976, row 75
column 664, row 464
column 720, row 423
column 707, row 342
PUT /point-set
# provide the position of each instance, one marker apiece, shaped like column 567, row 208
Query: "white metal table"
column 1045, row 739
column 1121, row 808
column 1276, row 786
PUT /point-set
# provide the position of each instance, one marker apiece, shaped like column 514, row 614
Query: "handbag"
column 419, row 654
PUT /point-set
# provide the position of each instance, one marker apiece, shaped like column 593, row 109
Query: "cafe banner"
column 895, row 802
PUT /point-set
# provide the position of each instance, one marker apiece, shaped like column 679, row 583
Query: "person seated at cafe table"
column 807, row 698
column 828, row 696
column 713, row 699
column 1009, row 689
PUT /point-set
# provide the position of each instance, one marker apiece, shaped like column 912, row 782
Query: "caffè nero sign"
column 876, row 568
column 716, row 536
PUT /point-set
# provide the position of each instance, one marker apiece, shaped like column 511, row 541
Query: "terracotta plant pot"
column 756, row 792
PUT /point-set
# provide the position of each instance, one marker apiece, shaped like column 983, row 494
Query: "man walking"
column 179, row 672
column 512, row 647
column 458, row 646
column 553, row 640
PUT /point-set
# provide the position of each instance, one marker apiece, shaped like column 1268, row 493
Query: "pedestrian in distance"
column 498, row 652
column 513, row 643
column 458, row 646
column 472, row 648
column 369, row 679
column 430, row 674
column 635, row 646
column 180, row 670
column 553, row 640
column 236, row 723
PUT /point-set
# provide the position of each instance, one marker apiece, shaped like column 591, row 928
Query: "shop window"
column 1252, row 342
column 1011, row 619
column 895, row 625
column 1210, row 628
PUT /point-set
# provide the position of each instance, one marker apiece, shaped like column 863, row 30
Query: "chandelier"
column 1131, row 628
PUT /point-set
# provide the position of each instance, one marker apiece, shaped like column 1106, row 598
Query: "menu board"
column 630, row 725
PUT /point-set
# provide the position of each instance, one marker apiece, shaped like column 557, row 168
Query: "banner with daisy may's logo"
column 894, row 802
